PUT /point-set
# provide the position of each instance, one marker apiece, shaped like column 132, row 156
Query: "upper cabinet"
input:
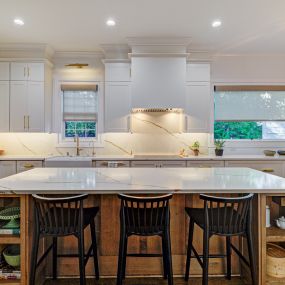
column 117, row 97
column 27, row 71
column 198, row 98
column 117, row 72
column 4, row 71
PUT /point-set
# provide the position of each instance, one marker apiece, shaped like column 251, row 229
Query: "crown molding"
column 199, row 56
column 115, row 60
column 78, row 54
column 159, row 54
column 14, row 50
column 115, row 51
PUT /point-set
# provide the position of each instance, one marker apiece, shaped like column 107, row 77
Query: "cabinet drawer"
column 27, row 165
column 158, row 163
column 110, row 163
column 172, row 163
column 144, row 163
column 7, row 168
column 205, row 164
column 272, row 167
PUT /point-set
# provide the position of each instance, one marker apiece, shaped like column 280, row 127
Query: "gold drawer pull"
column 268, row 170
column 28, row 165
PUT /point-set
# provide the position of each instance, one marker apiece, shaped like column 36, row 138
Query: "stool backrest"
column 226, row 215
column 145, row 215
column 59, row 216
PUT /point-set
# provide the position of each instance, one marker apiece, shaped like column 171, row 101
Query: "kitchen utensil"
column 281, row 222
column 12, row 255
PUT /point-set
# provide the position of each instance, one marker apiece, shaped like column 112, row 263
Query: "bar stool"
column 145, row 216
column 59, row 217
column 224, row 217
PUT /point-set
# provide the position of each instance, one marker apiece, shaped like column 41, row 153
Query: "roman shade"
column 79, row 87
column 254, row 104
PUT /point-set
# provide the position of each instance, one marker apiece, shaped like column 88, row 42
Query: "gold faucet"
column 78, row 149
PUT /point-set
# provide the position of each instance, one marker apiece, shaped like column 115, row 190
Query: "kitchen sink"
column 68, row 161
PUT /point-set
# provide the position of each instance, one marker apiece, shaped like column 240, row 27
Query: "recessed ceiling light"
column 111, row 23
column 19, row 22
column 216, row 23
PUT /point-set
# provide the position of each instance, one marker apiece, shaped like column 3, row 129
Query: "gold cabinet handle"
column 28, row 122
column 268, row 170
column 28, row 165
column 24, row 122
column 24, row 71
column 28, row 72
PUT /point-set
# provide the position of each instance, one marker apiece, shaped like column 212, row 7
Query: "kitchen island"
column 185, row 183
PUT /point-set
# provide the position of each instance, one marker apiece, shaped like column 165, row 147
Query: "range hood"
column 158, row 74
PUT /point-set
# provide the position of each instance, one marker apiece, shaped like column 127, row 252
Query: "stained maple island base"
column 186, row 184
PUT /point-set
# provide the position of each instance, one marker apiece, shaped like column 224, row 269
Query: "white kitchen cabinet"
column 117, row 106
column 205, row 163
column 26, row 106
column 111, row 163
column 198, row 107
column 4, row 71
column 117, row 72
column 272, row 167
column 25, row 165
column 4, row 106
column 158, row 163
column 7, row 168
column 198, row 72
column 27, row 71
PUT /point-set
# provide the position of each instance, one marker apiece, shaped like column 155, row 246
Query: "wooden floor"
column 147, row 281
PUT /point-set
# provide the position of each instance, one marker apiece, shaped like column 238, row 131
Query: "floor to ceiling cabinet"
column 4, row 106
column 27, row 71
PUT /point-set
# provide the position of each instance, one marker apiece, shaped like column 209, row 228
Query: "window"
column 80, row 111
column 249, row 112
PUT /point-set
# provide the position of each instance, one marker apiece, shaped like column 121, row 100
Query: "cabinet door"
column 205, row 164
column 117, row 107
column 18, row 106
column 19, row 71
column 198, row 72
column 114, row 164
column 4, row 70
column 172, row 163
column 145, row 163
column 198, row 107
column 4, row 106
column 117, row 72
column 7, row 168
column 271, row 167
column 36, row 112
column 35, row 72
column 25, row 165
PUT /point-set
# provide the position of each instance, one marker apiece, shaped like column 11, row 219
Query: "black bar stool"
column 225, row 217
column 58, row 217
column 145, row 216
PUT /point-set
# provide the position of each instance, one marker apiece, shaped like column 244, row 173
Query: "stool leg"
column 81, row 258
column 251, row 256
column 169, row 258
column 125, row 256
column 189, row 249
column 205, row 256
column 229, row 255
column 164, row 255
column 120, row 258
column 34, row 257
column 54, row 258
column 94, row 248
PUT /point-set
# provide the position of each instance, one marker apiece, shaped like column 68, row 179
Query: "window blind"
column 249, row 105
column 80, row 106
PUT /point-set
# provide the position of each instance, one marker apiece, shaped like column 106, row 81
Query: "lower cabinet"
column 272, row 167
column 110, row 163
column 205, row 163
column 25, row 165
column 157, row 163
column 7, row 168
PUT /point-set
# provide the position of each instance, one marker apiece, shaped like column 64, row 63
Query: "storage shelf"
column 10, row 282
column 10, row 239
column 274, row 280
column 274, row 234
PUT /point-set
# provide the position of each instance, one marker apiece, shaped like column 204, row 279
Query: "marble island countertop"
column 142, row 180
column 151, row 157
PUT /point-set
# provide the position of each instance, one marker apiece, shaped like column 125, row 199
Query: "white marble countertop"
column 154, row 157
column 142, row 180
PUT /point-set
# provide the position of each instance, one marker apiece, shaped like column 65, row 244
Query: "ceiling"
column 249, row 26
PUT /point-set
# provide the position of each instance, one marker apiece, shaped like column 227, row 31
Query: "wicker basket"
column 275, row 260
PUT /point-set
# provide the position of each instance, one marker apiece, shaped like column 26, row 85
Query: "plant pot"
column 219, row 152
column 196, row 152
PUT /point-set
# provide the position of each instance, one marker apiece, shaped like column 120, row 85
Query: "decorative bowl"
column 12, row 255
column 281, row 152
column 269, row 152
column 11, row 214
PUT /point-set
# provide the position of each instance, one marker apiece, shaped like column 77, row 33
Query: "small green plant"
column 219, row 143
column 195, row 145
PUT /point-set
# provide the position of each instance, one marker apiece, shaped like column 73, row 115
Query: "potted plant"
column 219, row 144
column 195, row 148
